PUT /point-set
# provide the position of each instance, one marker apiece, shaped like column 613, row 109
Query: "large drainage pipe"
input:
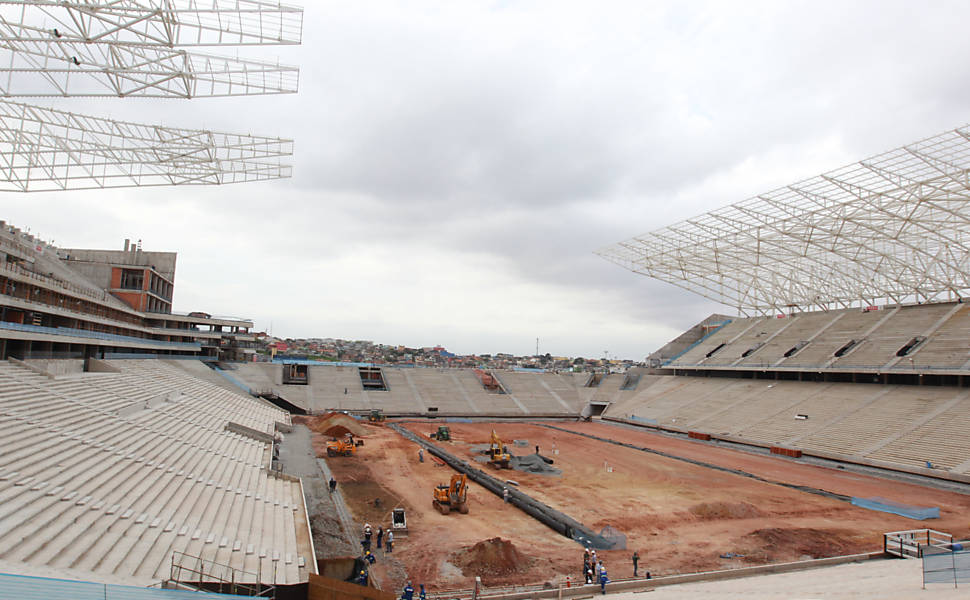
column 545, row 514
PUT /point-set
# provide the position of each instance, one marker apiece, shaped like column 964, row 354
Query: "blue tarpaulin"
column 920, row 513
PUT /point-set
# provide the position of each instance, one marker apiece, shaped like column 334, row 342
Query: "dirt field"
column 679, row 516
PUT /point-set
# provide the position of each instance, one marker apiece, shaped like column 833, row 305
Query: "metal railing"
column 54, row 282
column 209, row 575
column 85, row 333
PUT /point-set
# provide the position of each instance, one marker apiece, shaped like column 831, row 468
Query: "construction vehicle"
column 399, row 522
column 442, row 435
column 376, row 416
column 497, row 455
column 346, row 446
column 452, row 497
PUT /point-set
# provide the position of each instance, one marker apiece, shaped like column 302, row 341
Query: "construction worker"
column 603, row 578
column 422, row 594
column 333, row 484
column 589, row 575
column 390, row 541
column 408, row 592
column 369, row 557
column 380, row 536
column 362, row 578
column 505, row 494
column 636, row 559
column 421, row 455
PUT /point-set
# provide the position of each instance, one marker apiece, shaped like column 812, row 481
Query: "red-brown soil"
column 679, row 516
column 333, row 424
column 492, row 560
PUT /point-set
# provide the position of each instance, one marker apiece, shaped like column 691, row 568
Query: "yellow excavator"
column 452, row 497
column 497, row 456
column 345, row 446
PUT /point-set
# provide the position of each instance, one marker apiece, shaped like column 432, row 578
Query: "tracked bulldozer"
column 452, row 497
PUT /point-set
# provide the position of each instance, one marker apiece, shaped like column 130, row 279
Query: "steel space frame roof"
column 891, row 228
column 135, row 48
column 122, row 48
column 42, row 149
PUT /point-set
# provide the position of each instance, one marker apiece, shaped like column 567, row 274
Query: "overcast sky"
column 457, row 163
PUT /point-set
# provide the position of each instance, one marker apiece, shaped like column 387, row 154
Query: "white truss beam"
column 167, row 23
column 137, row 48
column 43, row 149
column 895, row 227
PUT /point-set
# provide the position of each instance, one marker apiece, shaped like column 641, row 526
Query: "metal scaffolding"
column 43, row 149
column 135, row 48
column 891, row 228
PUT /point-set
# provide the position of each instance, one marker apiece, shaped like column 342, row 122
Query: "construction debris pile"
column 534, row 463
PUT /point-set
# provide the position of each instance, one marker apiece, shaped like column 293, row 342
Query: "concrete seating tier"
column 722, row 335
column 881, row 345
column 566, row 387
column 873, row 421
column 852, row 325
column 664, row 396
column 821, row 403
column 907, row 425
column 765, row 398
column 88, row 483
column 761, row 330
column 199, row 370
column 941, row 440
column 533, row 391
column 451, row 391
column 948, row 347
column 438, row 388
column 797, row 328
column 879, row 333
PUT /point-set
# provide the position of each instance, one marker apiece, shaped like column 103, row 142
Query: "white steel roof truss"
column 892, row 227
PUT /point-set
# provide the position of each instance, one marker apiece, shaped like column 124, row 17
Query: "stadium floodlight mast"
column 892, row 228
column 43, row 149
column 137, row 48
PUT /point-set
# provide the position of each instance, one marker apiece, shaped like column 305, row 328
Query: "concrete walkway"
column 329, row 519
column 896, row 579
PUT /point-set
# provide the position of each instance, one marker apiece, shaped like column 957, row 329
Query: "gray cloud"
column 458, row 163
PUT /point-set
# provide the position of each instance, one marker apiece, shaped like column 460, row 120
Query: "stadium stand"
column 70, row 303
column 416, row 390
column 894, row 424
column 127, row 467
column 865, row 340
column 947, row 346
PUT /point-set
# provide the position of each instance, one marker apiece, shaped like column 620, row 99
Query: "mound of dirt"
column 494, row 557
column 334, row 424
column 711, row 511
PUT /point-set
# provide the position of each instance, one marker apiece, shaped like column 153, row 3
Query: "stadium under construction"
column 146, row 454
column 146, row 448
